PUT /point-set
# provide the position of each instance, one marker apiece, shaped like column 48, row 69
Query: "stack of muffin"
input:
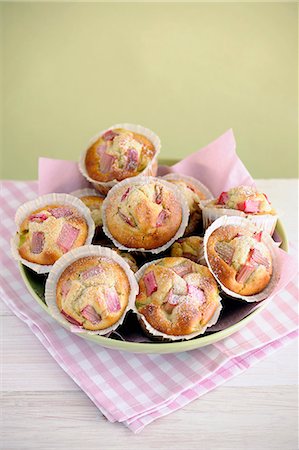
column 205, row 245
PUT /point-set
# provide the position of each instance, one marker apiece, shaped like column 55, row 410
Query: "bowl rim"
column 160, row 347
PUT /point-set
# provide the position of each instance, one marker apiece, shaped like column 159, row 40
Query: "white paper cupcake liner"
column 79, row 193
column 49, row 199
column 150, row 170
column 155, row 332
column 264, row 222
column 140, row 181
column 67, row 259
column 266, row 239
column 201, row 187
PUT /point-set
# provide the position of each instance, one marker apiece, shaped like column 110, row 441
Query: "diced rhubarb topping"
column 258, row 236
column 126, row 219
column 37, row 242
column 125, row 195
column 39, row 217
column 244, row 273
column 258, row 258
column 132, row 159
column 112, row 300
column 109, row 135
column 65, row 288
column 101, row 149
column 158, row 195
column 93, row 271
column 150, row 283
column 196, row 293
column 222, row 199
column 67, row 237
column 249, row 206
column 182, row 268
column 106, row 162
column 60, row 212
column 90, row 314
column 225, row 251
column 161, row 218
column 70, row 319
column 172, row 298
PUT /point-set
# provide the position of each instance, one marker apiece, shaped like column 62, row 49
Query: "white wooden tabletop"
column 42, row 408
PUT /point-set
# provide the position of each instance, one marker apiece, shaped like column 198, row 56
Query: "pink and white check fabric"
column 136, row 389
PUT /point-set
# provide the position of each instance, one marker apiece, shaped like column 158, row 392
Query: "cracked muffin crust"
column 93, row 292
column 49, row 232
column 239, row 258
column 143, row 215
column 177, row 297
column 190, row 247
column 118, row 154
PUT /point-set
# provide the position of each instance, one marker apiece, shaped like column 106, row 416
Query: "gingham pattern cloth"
column 136, row 389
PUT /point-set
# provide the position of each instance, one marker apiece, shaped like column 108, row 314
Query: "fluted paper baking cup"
column 170, row 337
column 140, row 181
column 266, row 239
column 66, row 260
column 150, row 170
column 49, row 199
column 263, row 222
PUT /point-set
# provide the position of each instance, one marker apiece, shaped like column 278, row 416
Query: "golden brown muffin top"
column 50, row 231
column 93, row 292
column 240, row 259
column 244, row 198
column 118, row 154
column 143, row 215
column 177, row 297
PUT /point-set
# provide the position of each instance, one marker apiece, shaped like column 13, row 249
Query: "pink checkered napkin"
column 131, row 388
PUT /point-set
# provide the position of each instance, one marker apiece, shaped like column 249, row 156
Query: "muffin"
column 177, row 297
column 93, row 292
column 50, row 231
column 193, row 192
column 130, row 260
column 94, row 202
column 245, row 201
column 191, row 248
column 122, row 151
column 144, row 214
column 239, row 259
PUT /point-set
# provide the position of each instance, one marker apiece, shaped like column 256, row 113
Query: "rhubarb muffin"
column 50, row 231
column 93, row 292
column 118, row 154
column 94, row 204
column 244, row 201
column 239, row 259
column 144, row 214
column 130, row 260
column 177, row 297
column 190, row 247
column 193, row 192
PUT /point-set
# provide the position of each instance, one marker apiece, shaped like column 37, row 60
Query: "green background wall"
column 188, row 71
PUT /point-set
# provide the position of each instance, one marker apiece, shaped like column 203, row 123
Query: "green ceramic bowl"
column 35, row 285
